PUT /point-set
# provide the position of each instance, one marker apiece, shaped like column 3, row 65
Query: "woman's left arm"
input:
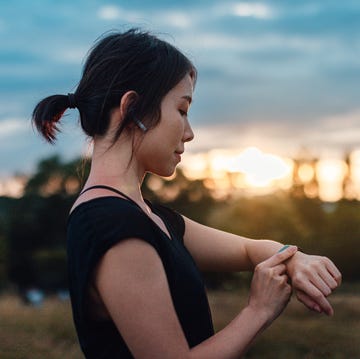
column 313, row 277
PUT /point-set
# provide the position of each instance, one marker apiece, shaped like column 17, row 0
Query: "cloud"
column 186, row 19
column 112, row 12
column 178, row 19
column 70, row 56
column 339, row 131
column 108, row 12
column 246, row 9
column 12, row 126
column 265, row 67
column 173, row 18
column 327, row 136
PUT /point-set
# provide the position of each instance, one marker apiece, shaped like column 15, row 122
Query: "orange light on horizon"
column 196, row 166
column 330, row 174
column 247, row 169
column 262, row 169
column 306, row 172
column 355, row 171
column 12, row 187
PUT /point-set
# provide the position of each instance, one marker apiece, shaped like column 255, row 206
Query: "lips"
column 178, row 155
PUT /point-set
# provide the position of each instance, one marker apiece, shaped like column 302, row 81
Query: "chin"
column 168, row 172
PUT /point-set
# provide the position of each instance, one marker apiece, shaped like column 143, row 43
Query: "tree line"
column 33, row 227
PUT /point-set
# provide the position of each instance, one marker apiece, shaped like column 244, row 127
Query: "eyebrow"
column 186, row 97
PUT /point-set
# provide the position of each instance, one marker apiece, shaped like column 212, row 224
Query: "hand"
column 313, row 279
column 270, row 291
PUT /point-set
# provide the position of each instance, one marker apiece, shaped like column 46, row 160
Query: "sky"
column 280, row 75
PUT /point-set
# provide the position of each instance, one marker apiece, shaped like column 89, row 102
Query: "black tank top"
column 94, row 227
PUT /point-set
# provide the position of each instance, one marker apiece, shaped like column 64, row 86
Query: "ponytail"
column 48, row 112
column 120, row 62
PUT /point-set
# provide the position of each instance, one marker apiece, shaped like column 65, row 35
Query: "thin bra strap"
column 110, row 189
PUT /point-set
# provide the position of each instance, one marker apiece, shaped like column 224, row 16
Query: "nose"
column 188, row 132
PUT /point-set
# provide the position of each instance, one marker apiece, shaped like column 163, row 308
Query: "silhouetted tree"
column 33, row 228
column 36, row 249
column 56, row 177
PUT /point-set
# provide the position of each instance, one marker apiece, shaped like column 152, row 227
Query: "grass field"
column 299, row 333
column 48, row 333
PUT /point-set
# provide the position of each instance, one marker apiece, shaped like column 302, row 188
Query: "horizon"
column 247, row 172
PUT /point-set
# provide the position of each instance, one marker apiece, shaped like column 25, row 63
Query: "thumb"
column 281, row 256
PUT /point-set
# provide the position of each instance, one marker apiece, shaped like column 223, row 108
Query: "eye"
column 183, row 113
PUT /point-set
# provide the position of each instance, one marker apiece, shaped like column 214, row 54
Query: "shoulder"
column 103, row 205
column 100, row 213
column 98, row 224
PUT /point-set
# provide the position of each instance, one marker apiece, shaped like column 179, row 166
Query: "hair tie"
column 72, row 100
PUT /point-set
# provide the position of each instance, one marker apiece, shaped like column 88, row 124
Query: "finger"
column 307, row 301
column 280, row 269
column 317, row 296
column 330, row 266
column 320, row 284
column 280, row 257
column 288, row 288
column 328, row 279
column 287, row 280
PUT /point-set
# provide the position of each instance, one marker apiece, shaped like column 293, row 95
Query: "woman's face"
column 161, row 148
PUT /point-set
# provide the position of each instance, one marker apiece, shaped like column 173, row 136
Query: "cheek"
column 177, row 127
column 153, row 146
column 170, row 133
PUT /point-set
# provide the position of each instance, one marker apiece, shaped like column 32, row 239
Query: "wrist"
column 259, row 315
column 299, row 249
column 291, row 263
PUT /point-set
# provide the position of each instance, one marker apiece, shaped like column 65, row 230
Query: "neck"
column 116, row 167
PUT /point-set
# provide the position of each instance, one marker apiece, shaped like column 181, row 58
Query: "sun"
column 261, row 169
column 249, row 168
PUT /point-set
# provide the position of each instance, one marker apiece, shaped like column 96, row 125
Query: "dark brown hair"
column 133, row 60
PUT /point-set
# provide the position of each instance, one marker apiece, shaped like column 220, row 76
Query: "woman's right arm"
column 133, row 286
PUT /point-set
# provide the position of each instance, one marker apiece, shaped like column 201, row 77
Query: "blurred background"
column 276, row 154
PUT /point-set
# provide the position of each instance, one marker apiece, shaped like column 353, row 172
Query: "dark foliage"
column 33, row 228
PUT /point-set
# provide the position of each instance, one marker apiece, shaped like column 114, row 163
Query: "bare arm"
column 133, row 286
column 216, row 250
column 313, row 277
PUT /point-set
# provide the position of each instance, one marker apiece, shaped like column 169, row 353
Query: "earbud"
column 131, row 114
column 140, row 125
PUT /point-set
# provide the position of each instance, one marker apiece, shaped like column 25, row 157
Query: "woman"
column 134, row 267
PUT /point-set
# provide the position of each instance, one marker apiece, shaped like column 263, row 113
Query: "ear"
column 127, row 101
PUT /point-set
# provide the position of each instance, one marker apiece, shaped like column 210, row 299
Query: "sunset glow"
column 246, row 169
column 330, row 174
column 249, row 171
column 355, row 172
column 256, row 172
column 306, row 172
column 12, row 187
column 261, row 169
